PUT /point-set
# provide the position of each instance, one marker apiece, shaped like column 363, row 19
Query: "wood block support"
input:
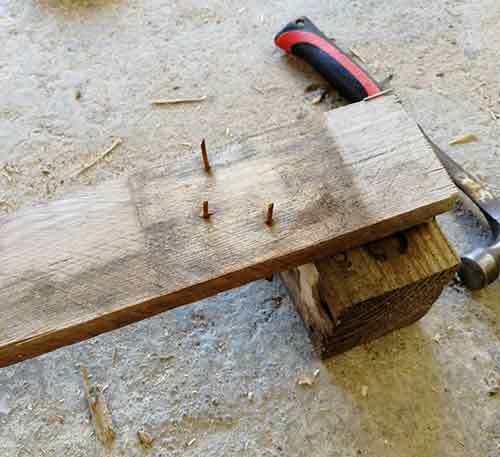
column 366, row 292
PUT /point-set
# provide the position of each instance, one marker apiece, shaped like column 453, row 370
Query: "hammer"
column 481, row 266
column 304, row 40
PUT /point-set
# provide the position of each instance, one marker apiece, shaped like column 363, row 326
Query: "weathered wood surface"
column 369, row 291
column 135, row 247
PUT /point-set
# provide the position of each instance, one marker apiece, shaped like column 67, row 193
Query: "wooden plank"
column 135, row 247
column 369, row 291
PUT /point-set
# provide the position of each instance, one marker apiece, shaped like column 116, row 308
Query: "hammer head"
column 481, row 267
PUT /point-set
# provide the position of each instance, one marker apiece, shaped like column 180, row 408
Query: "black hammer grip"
column 303, row 39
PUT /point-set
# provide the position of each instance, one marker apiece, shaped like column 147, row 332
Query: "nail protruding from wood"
column 206, row 214
column 204, row 155
column 270, row 211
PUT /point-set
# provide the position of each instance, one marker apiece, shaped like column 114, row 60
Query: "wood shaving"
column 56, row 419
column 356, row 54
column 377, row 95
column 166, row 357
column 190, row 443
column 317, row 96
column 99, row 411
column 179, row 101
column 145, row 439
column 364, row 391
column 90, row 164
column 465, row 139
column 308, row 381
column 305, row 381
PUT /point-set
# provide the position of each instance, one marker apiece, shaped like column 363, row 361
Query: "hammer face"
column 480, row 267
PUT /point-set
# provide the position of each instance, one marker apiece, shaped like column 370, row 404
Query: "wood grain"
column 132, row 248
column 369, row 291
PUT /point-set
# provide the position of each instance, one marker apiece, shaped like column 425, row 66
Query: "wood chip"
column 364, row 391
column 316, row 96
column 166, row 357
column 179, row 101
column 437, row 338
column 308, row 381
column 55, row 419
column 145, row 439
column 99, row 411
column 465, row 139
column 90, row 164
column 356, row 53
column 377, row 95
column 305, row 381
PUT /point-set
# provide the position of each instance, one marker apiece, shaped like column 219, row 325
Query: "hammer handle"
column 303, row 39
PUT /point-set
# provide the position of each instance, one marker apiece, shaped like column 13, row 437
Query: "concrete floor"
column 422, row 391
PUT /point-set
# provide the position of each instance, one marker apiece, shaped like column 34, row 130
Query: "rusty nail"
column 205, row 156
column 206, row 214
column 269, row 219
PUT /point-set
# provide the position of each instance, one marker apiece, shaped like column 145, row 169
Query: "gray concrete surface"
column 422, row 391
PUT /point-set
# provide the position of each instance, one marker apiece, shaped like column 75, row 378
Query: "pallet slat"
column 131, row 248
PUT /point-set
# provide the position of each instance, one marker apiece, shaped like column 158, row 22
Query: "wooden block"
column 366, row 292
column 132, row 248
